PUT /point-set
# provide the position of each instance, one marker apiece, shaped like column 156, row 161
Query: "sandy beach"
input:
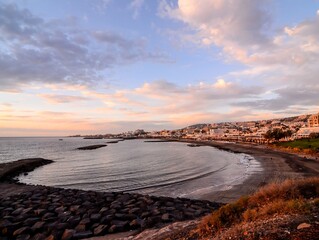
column 276, row 165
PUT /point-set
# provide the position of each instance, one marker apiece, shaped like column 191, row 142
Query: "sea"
column 156, row 168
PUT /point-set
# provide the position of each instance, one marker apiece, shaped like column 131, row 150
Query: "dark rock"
column 124, row 198
column 134, row 210
column 135, row 224
column 92, row 147
column 62, row 226
column 37, row 226
column 118, row 226
column 166, row 217
column 95, row 217
column 68, row 234
column 25, row 211
column 9, row 218
column 189, row 214
column 57, row 233
column 5, row 223
column 39, row 212
column 120, row 216
column 130, row 203
column 145, row 214
column 170, row 208
column 51, row 226
column 156, row 211
column 169, row 204
column 100, row 230
column 81, row 235
column 151, row 221
column 107, row 219
column 48, row 215
column 73, row 221
column 60, row 209
column 17, row 211
column 23, row 237
column 74, row 208
column 51, row 237
column 20, row 231
column 80, row 228
column 129, row 217
column 103, row 210
column 31, row 221
column 38, row 236
column 85, row 221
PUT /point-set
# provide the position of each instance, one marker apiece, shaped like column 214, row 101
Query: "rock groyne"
column 54, row 213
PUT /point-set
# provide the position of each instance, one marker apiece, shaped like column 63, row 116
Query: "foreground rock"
column 75, row 214
column 91, row 147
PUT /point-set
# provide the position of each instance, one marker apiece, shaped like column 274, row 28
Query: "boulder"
column 20, row 231
column 100, row 230
column 68, row 234
column 80, row 235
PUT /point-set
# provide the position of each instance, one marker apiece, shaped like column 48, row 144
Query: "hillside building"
column 313, row 120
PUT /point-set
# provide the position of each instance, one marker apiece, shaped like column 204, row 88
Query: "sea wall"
column 55, row 213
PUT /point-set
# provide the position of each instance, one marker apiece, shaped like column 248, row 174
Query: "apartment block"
column 313, row 120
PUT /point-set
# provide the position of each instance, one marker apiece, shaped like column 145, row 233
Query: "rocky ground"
column 39, row 212
column 74, row 214
column 279, row 227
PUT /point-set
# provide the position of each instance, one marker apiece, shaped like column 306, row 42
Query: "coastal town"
column 262, row 131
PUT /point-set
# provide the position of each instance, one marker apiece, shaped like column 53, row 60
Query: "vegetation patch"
column 302, row 144
column 289, row 197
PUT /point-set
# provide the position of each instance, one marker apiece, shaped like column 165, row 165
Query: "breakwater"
column 55, row 213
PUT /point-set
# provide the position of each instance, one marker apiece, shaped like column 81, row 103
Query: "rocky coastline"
column 92, row 147
column 54, row 213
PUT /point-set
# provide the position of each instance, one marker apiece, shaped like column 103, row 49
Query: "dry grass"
column 288, row 197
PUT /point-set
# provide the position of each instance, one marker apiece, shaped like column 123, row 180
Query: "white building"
column 305, row 132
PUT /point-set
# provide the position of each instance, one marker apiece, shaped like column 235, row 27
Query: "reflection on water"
column 167, row 168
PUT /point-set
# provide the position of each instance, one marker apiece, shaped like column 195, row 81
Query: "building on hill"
column 313, row 120
column 305, row 132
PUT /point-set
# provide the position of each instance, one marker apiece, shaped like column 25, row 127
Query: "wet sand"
column 277, row 166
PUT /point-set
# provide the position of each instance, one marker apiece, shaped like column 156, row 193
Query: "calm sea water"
column 167, row 168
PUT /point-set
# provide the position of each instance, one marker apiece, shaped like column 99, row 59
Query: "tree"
column 313, row 135
column 277, row 134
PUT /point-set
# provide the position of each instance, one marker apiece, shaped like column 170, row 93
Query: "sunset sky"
column 109, row 66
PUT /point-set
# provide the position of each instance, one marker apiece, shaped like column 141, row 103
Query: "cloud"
column 136, row 6
column 60, row 51
column 284, row 61
column 286, row 99
column 52, row 98
column 242, row 29
column 166, row 100
column 224, row 23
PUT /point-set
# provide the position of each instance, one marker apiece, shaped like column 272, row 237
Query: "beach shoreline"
column 277, row 166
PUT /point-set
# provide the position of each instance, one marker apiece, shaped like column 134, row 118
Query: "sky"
column 111, row 66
